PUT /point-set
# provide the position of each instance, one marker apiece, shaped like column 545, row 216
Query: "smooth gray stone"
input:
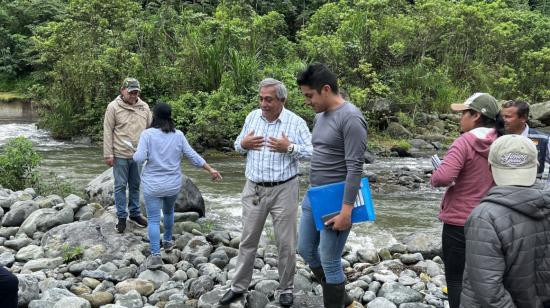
column 28, row 253
column 368, row 256
column 165, row 291
column 381, row 302
column 210, row 299
column 7, row 259
column 96, row 274
column 28, row 289
column 210, row 270
column 399, row 294
column 45, row 219
column 78, row 267
column 256, row 299
column 55, row 294
column 132, row 299
column 200, row 286
column 18, row 243
column 411, row 258
column 157, row 277
column 97, row 236
column 43, row 263
column 18, row 212
column 7, row 232
column 72, row 302
column 356, row 293
column 267, row 287
column 357, row 284
column 49, row 201
column 38, row 303
column 385, row 276
column 368, row 296
column 219, row 237
column 50, row 283
column 123, row 273
column 186, row 216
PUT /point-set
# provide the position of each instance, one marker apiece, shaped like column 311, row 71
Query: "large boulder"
column 189, row 199
column 541, row 112
column 45, row 219
column 397, row 130
column 18, row 212
column 97, row 237
column 427, row 244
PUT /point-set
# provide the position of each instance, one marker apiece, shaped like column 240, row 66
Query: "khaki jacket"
column 124, row 122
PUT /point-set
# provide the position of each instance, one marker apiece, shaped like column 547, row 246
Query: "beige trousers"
column 281, row 202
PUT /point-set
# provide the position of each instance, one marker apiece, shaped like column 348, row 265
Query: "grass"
column 6, row 96
column 72, row 253
column 383, row 142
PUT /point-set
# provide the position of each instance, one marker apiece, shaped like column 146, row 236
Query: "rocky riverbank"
column 66, row 253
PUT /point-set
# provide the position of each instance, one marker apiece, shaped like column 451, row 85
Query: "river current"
column 397, row 214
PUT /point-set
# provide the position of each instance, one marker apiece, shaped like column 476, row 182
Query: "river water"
column 397, row 214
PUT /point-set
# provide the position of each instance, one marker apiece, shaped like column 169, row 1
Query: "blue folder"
column 326, row 200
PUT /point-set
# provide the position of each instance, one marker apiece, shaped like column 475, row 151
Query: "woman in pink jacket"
column 466, row 174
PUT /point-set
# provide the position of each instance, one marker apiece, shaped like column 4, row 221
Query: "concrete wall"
column 17, row 110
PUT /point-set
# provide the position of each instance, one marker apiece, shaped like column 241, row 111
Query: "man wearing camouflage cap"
column 126, row 117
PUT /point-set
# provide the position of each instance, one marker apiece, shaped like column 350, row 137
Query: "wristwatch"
column 290, row 148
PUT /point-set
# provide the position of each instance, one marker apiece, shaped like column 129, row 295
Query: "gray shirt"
column 339, row 141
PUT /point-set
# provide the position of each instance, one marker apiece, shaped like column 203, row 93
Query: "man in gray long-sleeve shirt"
column 339, row 141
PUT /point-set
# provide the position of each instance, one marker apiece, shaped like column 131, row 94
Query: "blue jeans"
column 321, row 248
column 126, row 173
column 153, row 205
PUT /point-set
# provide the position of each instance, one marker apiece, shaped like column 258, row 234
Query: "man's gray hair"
column 280, row 90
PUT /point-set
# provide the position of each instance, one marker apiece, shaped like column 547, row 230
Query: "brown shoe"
column 140, row 221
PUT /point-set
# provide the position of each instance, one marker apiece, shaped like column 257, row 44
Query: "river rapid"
column 397, row 213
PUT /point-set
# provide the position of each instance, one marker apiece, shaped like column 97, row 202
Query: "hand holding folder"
column 326, row 202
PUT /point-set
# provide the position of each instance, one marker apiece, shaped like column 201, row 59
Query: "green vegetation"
column 19, row 164
column 207, row 225
column 51, row 183
column 384, row 142
column 205, row 57
column 7, row 96
column 72, row 253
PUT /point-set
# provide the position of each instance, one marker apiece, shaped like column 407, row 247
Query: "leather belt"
column 272, row 184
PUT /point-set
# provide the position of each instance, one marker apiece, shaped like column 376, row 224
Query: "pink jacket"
column 467, row 167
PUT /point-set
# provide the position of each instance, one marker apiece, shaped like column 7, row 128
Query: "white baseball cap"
column 513, row 160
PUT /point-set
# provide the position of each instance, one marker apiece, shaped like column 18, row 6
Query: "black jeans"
column 9, row 285
column 454, row 257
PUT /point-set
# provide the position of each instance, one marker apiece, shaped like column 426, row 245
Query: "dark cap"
column 131, row 84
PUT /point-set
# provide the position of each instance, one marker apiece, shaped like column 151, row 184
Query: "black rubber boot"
column 320, row 277
column 318, row 273
column 334, row 294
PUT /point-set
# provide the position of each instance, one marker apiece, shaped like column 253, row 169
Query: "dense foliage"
column 18, row 163
column 205, row 57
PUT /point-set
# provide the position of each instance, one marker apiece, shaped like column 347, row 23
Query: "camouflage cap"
column 131, row 84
